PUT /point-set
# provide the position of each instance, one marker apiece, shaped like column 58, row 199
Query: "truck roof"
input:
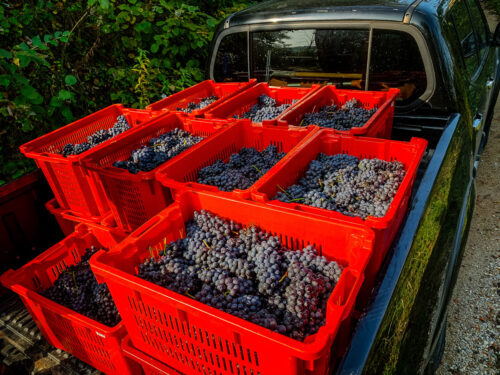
column 326, row 10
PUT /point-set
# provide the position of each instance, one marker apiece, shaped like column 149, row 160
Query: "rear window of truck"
column 326, row 56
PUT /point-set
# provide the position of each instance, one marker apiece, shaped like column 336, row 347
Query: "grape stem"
column 283, row 278
column 284, row 191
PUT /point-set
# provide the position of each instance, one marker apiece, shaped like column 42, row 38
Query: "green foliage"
column 61, row 60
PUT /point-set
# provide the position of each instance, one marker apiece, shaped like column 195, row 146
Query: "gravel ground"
column 473, row 331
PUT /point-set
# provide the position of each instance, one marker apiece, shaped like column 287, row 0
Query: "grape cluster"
column 348, row 185
column 247, row 272
column 350, row 115
column 265, row 109
column 77, row 289
column 158, row 151
column 200, row 105
column 242, row 170
column 96, row 138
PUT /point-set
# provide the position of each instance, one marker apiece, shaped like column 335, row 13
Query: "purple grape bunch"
column 158, row 151
column 242, row 170
column 77, row 289
column 266, row 109
column 192, row 106
column 350, row 115
column 97, row 137
column 248, row 273
column 348, row 185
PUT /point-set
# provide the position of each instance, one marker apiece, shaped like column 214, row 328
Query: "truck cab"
column 444, row 59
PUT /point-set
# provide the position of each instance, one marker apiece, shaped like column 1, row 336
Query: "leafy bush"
column 61, row 60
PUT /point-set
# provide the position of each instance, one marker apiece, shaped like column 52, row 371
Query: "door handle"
column 490, row 83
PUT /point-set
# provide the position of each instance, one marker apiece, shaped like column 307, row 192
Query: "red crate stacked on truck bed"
column 89, row 340
column 195, row 338
column 327, row 142
column 66, row 175
column 378, row 126
column 182, row 174
column 135, row 198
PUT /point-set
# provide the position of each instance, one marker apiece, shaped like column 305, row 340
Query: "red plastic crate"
column 66, row 175
column 67, row 226
column 378, row 126
column 135, row 198
column 67, row 220
column 150, row 366
column 327, row 142
column 198, row 92
column 194, row 338
column 242, row 102
column 92, row 342
column 181, row 174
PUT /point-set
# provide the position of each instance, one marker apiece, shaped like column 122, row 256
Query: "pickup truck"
column 442, row 57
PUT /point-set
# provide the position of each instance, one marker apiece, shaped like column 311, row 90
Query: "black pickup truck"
column 442, row 57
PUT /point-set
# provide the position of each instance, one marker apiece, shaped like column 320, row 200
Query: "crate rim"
column 105, row 220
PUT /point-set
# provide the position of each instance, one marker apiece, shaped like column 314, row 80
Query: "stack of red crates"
column 85, row 338
column 162, row 332
column 65, row 175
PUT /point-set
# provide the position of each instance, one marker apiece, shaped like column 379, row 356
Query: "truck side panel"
column 405, row 301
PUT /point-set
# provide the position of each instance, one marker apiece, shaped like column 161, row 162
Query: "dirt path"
column 473, row 331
